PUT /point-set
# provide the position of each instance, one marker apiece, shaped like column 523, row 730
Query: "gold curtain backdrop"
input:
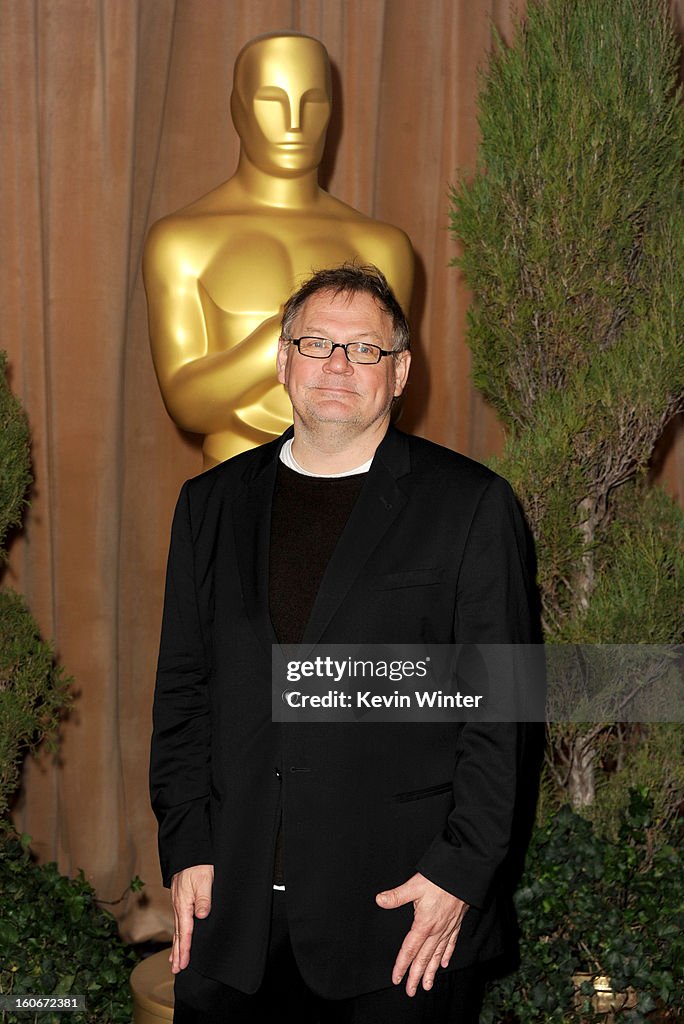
column 114, row 113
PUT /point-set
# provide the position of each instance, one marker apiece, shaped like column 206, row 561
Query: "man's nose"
column 337, row 362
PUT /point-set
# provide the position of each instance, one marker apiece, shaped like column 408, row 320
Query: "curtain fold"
column 114, row 114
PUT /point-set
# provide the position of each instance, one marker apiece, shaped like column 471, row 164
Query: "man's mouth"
column 334, row 389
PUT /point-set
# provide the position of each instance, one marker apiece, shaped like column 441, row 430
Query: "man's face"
column 281, row 104
column 333, row 390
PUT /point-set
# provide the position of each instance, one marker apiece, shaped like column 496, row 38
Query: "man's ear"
column 402, row 364
column 281, row 358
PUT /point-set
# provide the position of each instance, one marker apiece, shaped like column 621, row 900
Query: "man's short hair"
column 351, row 279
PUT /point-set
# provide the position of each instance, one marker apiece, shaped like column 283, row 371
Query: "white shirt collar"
column 288, row 459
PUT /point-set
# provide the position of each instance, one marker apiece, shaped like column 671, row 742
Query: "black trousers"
column 455, row 997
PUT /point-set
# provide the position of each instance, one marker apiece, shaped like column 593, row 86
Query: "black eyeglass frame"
column 338, row 344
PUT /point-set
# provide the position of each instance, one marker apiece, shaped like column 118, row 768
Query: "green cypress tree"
column 55, row 938
column 33, row 691
column 572, row 234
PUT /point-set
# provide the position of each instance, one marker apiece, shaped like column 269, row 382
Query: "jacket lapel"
column 378, row 505
column 252, row 530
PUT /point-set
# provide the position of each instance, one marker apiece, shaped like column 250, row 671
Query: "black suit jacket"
column 435, row 551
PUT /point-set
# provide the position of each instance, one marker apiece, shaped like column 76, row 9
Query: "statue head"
column 281, row 102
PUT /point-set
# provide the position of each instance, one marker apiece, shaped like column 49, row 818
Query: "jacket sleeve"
column 181, row 739
column 496, row 605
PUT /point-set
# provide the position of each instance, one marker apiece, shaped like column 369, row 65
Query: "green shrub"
column 56, row 940
column 605, row 907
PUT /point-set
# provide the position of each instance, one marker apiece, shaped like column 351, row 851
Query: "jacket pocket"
column 407, row 578
column 420, row 794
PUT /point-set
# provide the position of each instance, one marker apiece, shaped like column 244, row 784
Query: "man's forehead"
column 344, row 306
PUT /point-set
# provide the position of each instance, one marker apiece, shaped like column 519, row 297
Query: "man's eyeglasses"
column 355, row 351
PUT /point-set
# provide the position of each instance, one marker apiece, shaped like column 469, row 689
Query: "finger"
column 185, row 929
column 410, row 949
column 184, row 942
column 392, row 898
column 180, row 950
column 202, row 904
column 183, row 923
column 418, row 968
column 434, row 965
column 427, row 946
column 174, row 956
column 450, row 947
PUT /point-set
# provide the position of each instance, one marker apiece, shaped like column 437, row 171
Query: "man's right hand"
column 191, row 898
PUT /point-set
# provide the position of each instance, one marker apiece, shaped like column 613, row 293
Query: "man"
column 386, row 842
column 218, row 272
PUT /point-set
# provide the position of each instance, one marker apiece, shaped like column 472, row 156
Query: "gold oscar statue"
column 218, row 272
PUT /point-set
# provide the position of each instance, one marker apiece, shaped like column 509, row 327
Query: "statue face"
column 281, row 103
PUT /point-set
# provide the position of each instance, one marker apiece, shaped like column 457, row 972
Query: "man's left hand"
column 437, row 919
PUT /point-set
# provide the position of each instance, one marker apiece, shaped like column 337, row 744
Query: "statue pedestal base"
column 152, row 987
